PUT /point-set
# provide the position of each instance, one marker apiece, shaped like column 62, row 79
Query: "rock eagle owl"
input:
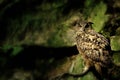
column 94, row 49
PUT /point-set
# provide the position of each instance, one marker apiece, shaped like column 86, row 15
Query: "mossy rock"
column 116, row 58
column 118, row 31
column 115, row 43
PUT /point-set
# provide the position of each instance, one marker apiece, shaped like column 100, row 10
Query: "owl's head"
column 82, row 25
column 85, row 24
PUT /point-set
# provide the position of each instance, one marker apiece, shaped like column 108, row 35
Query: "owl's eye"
column 74, row 24
column 89, row 24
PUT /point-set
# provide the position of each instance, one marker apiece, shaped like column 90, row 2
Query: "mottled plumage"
column 92, row 45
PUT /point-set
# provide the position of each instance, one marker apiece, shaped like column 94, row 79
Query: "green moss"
column 57, row 38
column 45, row 20
column 98, row 16
column 118, row 31
column 1, row 1
column 5, row 48
column 95, row 12
column 16, row 50
column 78, row 68
column 116, row 57
column 88, row 6
column 115, row 43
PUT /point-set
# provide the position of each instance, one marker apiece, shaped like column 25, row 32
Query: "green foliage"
column 1, row 1
column 78, row 68
column 95, row 12
column 116, row 57
column 118, row 31
column 14, row 49
column 88, row 6
column 98, row 16
column 57, row 38
column 45, row 20
column 115, row 43
column 5, row 48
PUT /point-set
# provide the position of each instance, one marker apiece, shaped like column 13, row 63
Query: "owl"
column 94, row 49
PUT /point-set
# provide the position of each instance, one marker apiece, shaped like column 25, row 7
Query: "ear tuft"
column 90, row 23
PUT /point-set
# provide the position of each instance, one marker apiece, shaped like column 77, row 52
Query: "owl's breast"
column 93, row 46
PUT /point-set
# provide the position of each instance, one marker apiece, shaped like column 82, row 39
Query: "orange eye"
column 87, row 25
